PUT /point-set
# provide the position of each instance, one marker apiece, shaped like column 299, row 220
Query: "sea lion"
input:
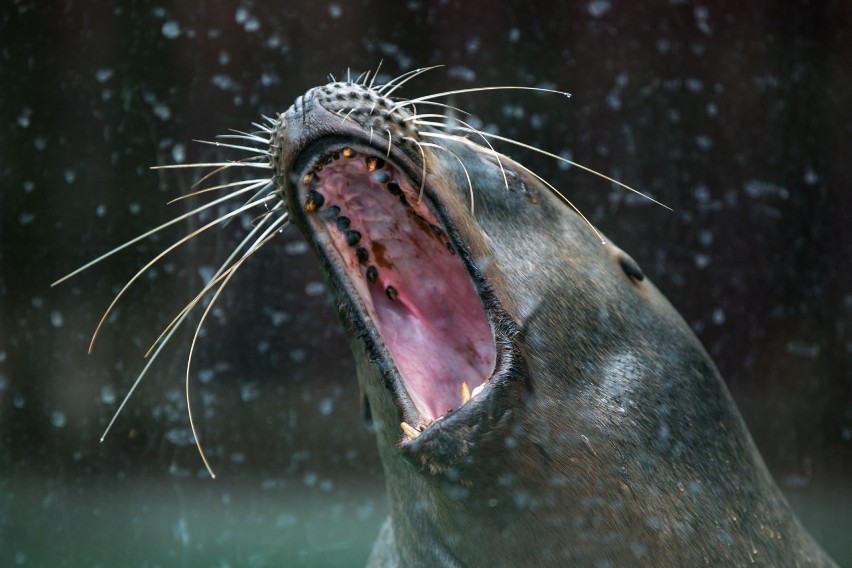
column 597, row 431
column 536, row 400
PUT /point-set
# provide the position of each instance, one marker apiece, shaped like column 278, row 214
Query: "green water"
column 190, row 522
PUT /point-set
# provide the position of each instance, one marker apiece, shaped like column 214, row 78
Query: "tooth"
column 477, row 390
column 465, row 393
column 409, row 432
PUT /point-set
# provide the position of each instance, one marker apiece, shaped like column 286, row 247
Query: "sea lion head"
column 534, row 396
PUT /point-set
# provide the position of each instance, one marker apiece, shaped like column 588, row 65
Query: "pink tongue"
column 415, row 288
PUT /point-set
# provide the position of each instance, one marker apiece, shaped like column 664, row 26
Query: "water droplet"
column 56, row 319
column 171, row 29
column 107, row 394
column 179, row 153
column 103, row 75
column 314, row 288
column 598, row 8
column 57, row 418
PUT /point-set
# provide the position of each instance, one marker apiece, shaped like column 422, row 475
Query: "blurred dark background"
column 735, row 114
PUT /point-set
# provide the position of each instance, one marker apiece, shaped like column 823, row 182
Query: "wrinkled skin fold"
column 600, row 433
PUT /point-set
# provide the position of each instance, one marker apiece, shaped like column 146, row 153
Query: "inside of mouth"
column 408, row 275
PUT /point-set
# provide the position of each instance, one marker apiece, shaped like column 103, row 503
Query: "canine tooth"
column 465, row 393
column 477, row 390
column 409, row 431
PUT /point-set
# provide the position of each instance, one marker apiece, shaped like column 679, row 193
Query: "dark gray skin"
column 604, row 437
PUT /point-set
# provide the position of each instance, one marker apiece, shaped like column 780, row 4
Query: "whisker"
column 147, row 234
column 375, row 74
column 347, row 115
column 219, row 170
column 223, row 269
column 264, row 189
column 466, row 141
column 399, row 81
column 259, row 182
column 424, row 98
column 248, row 135
column 422, row 159
column 567, row 161
column 133, row 387
column 235, row 164
column 195, row 340
column 466, row 174
column 437, row 104
column 566, row 200
column 253, row 150
column 157, row 258
column 163, row 341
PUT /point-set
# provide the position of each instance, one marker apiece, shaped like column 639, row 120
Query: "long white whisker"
column 466, row 174
column 424, row 98
column 147, row 234
column 223, row 269
column 565, row 199
column 264, row 189
column 219, row 170
column 234, row 164
column 135, row 385
column 250, row 182
column 157, row 258
column 466, row 141
column 249, row 135
column 423, row 159
column 192, row 350
column 253, row 150
column 397, row 82
column 153, row 357
column 437, row 104
column 567, row 161
column 375, row 74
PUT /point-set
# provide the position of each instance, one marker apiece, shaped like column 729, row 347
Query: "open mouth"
column 410, row 280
